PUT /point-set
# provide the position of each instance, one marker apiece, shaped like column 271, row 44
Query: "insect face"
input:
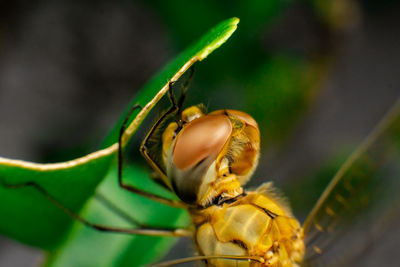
column 209, row 157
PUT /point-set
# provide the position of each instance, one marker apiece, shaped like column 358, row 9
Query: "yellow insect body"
column 255, row 225
column 208, row 159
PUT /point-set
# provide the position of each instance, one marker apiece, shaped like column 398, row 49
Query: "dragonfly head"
column 209, row 157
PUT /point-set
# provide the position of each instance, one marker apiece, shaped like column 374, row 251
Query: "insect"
column 206, row 159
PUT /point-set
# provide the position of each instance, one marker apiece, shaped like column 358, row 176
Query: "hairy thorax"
column 256, row 224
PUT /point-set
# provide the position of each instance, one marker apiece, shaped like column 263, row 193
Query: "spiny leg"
column 173, row 203
column 255, row 259
column 176, row 107
column 116, row 210
column 144, row 148
column 144, row 230
column 185, row 87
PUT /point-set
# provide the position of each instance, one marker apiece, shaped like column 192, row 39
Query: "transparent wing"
column 360, row 204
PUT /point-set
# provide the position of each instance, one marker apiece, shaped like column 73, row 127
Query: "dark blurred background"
column 316, row 75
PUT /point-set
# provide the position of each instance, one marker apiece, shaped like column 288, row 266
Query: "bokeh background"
column 316, row 75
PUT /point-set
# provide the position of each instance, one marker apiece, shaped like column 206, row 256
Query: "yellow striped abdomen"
column 255, row 225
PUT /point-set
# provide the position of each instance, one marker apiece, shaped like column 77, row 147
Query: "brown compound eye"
column 201, row 138
column 244, row 117
column 238, row 114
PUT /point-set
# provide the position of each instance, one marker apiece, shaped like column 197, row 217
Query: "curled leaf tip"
column 223, row 31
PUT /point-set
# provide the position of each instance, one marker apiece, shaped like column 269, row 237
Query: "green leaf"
column 88, row 247
column 29, row 217
column 26, row 215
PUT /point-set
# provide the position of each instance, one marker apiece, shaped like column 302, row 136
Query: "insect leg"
column 176, row 107
column 144, row 230
column 144, row 146
column 184, row 91
column 116, row 210
column 131, row 188
column 210, row 257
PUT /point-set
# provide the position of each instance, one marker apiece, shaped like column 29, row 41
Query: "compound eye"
column 238, row 114
column 200, row 139
column 244, row 117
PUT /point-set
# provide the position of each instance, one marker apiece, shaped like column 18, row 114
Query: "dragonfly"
column 207, row 158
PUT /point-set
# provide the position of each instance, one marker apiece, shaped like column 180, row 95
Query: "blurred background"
column 316, row 75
